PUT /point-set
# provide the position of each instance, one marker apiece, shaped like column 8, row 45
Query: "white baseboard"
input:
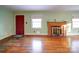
column 5, row 36
column 35, row 34
column 72, row 34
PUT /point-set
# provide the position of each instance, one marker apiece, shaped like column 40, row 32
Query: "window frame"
column 75, row 23
column 32, row 23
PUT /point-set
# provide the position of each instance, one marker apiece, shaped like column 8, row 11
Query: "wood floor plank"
column 29, row 44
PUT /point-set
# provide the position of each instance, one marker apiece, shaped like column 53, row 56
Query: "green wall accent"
column 47, row 17
column 6, row 23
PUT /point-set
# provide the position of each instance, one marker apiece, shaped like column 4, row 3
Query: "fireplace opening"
column 56, row 31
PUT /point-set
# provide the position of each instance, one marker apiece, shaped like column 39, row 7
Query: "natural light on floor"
column 75, row 46
column 36, row 46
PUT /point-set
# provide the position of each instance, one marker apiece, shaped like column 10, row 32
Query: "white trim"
column 5, row 36
column 35, row 34
column 70, row 34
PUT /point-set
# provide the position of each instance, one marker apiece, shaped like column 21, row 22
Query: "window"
column 75, row 23
column 36, row 23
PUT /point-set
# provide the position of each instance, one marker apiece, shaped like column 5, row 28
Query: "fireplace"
column 56, row 29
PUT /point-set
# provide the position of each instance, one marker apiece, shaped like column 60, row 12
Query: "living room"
column 54, row 25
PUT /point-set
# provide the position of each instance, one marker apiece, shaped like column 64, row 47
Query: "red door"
column 19, row 24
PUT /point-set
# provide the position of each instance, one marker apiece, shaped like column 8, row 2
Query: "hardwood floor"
column 34, row 44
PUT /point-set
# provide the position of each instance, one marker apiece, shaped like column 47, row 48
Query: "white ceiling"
column 43, row 7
